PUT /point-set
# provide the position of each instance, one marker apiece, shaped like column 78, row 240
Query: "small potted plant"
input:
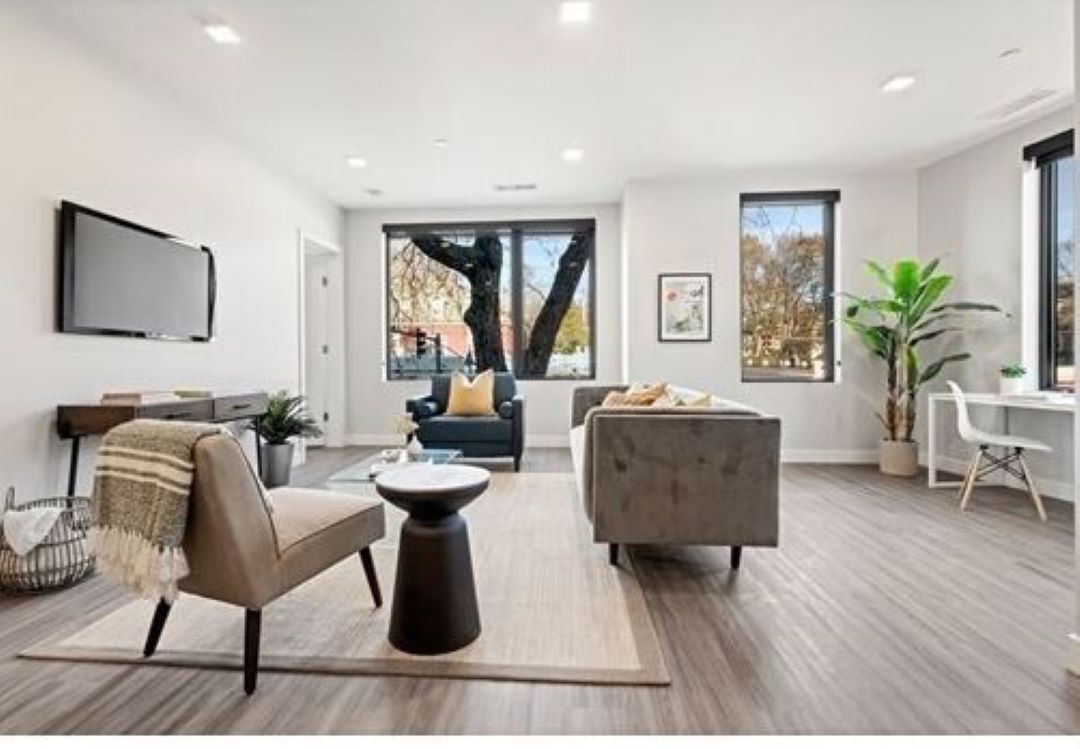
column 405, row 426
column 285, row 418
column 1012, row 379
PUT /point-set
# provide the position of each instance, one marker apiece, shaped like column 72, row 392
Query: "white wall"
column 694, row 226
column 374, row 402
column 970, row 211
column 74, row 128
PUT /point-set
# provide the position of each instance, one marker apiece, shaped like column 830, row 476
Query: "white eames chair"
column 1012, row 462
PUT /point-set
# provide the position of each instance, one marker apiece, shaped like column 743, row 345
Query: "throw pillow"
column 476, row 398
column 637, row 395
column 675, row 397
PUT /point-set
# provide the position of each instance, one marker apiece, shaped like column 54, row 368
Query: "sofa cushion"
column 466, row 429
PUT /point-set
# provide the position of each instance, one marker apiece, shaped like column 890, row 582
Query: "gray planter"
column 899, row 458
column 276, row 464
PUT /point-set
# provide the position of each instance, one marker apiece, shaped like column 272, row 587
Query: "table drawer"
column 193, row 409
column 239, row 406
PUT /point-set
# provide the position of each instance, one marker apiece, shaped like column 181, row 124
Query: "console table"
column 74, row 422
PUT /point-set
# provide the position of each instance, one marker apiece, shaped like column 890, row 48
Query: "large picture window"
column 786, row 253
column 1057, row 200
column 502, row 296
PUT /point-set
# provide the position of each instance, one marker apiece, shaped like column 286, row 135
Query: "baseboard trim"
column 1062, row 490
column 828, row 456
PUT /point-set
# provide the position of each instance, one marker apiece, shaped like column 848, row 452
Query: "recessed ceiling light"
column 516, row 187
column 1010, row 52
column 222, row 33
column 355, row 162
column 898, row 83
column 374, row 192
column 575, row 11
column 440, row 142
column 573, row 154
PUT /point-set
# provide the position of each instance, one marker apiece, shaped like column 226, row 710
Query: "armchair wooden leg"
column 613, row 554
column 252, row 630
column 372, row 578
column 161, row 613
column 736, row 557
column 517, row 463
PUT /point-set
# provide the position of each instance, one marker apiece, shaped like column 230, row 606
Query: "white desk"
column 1061, row 403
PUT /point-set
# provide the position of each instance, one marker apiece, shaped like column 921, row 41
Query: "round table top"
column 423, row 489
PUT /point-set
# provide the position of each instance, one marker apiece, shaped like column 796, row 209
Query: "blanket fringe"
column 128, row 558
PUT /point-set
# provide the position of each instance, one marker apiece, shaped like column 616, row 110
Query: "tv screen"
column 118, row 278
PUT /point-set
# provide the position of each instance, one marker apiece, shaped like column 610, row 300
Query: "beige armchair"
column 240, row 553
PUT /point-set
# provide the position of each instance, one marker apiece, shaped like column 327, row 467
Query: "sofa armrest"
column 589, row 397
column 422, row 408
column 683, row 476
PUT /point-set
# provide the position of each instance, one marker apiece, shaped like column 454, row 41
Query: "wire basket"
column 61, row 559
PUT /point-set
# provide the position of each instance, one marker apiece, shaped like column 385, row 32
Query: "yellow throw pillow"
column 476, row 398
column 637, row 395
column 685, row 399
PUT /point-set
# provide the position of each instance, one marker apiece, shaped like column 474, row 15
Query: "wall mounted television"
column 118, row 278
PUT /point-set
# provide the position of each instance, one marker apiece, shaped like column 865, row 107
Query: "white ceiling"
column 649, row 88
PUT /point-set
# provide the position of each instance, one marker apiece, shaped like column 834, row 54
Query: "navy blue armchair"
column 498, row 436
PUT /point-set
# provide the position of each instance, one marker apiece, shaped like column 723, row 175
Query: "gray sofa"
column 678, row 476
column 497, row 436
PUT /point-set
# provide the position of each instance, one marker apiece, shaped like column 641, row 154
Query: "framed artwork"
column 684, row 305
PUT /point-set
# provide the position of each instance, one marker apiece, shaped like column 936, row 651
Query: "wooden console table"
column 74, row 422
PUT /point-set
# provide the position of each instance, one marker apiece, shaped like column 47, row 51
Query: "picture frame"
column 684, row 307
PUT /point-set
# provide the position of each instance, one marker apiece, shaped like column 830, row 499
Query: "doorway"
column 321, row 364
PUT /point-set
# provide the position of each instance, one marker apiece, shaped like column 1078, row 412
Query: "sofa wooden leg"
column 372, row 578
column 517, row 463
column 736, row 557
column 252, row 629
column 613, row 554
column 161, row 613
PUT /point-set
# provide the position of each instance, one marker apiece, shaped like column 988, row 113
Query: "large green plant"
column 286, row 417
column 895, row 325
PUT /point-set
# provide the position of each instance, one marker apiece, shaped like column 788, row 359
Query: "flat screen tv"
column 119, row 278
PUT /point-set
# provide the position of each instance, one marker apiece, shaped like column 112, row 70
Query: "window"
column 503, row 296
column 786, row 253
column 1057, row 200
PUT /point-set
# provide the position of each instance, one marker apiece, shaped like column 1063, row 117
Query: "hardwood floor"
column 884, row 610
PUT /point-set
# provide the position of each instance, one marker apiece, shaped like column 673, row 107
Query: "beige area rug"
column 552, row 608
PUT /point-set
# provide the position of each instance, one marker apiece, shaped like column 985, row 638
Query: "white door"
column 316, row 338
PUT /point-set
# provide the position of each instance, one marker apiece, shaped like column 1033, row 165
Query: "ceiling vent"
column 1029, row 99
column 516, row 187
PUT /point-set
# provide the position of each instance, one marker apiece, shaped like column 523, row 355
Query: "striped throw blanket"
column 142, row 483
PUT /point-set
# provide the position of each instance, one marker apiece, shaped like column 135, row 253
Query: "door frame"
column 308, row 245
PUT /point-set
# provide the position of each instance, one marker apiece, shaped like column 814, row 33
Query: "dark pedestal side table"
column 434, row 609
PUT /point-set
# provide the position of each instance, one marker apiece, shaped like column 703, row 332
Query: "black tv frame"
column 65, row 275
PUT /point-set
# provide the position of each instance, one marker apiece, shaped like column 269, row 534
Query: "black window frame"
column 829, row 200
column 517, row 229
column 1047, row 155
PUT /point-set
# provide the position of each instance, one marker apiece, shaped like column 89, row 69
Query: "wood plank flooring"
column 884, row 610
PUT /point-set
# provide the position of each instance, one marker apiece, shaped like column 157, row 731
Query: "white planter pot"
column 1012, row 385
column 898, row 458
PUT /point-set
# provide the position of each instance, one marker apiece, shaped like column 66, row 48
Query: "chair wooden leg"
column 369, row 573
column 736, row 557
column 252, row 630
column 1031, row 486
column 161, row 613
column 613, row 554
column 969, row 480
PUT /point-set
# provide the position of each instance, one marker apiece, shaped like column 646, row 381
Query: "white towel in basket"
column 25, row 529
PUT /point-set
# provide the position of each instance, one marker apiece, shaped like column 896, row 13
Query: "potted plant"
column 1012, row 379
column 284, row 419
column 894, row 327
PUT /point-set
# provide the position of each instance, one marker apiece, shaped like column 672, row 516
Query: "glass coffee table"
column 366, row 470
